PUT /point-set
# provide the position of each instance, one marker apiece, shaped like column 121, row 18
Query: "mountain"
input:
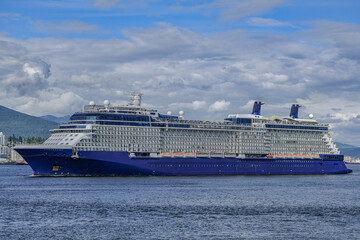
column 20, row 124
column 52, row 118
column 348, row 150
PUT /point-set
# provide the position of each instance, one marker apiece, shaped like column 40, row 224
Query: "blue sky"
column 207, row 58
column 106, row 19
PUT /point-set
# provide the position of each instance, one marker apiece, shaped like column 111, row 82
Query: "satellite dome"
column 106, row 103
column 92, row 103
column 311, row 115
column 181, row 115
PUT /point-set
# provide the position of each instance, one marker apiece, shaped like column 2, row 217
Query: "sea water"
column 207, row 207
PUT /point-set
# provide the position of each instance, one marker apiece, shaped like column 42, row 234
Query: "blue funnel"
column 294, row 111
column 257, row 107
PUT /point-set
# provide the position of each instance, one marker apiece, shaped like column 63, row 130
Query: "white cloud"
column 21, row 73
column 235, row 9
column 228, row 10
column 271, row 80
column 177, row 69
column 105, row 4
column 10, row 15
column 34, row 71
column 85, row 79
column 197, row 105
column 344, row 116
column 219, row 106
column 267, row 22
column 61, row 104
column 64, row 26
column 119, row 92
column 194, row 105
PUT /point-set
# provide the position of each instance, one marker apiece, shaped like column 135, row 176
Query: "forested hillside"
column 20, row 124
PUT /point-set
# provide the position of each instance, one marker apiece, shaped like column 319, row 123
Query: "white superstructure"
column 145, row 132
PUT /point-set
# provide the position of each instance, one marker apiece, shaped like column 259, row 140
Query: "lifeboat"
column 178, row 154
column 217, row 154
column 166, row 154
column 230, row 155
column 202, row 154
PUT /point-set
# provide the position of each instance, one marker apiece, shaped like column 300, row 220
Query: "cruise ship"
column 105, row 140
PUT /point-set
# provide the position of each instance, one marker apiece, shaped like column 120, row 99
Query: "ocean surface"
column 211, row 207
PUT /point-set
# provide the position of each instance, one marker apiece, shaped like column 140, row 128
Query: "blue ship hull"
column 61, row 162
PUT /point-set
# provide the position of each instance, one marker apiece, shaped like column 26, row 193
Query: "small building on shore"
column 5, row 151
column 16, row 157
column 349, row 159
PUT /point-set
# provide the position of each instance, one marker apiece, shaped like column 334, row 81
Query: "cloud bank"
column 206, row 75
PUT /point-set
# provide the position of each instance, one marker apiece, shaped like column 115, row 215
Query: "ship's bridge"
column 243, row 118
column 107, row 116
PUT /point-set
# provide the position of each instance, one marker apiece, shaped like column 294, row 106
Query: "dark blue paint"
column 257, row 107
column 294, row 111
column 119, row 163
column 296, row 127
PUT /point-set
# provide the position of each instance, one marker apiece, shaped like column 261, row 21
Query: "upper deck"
column 135, row 115
column 136, row 129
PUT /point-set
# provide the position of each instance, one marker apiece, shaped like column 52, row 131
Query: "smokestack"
column 294, row 111
column 257, row 107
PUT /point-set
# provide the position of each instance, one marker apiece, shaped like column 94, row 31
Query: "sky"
column 208, row 58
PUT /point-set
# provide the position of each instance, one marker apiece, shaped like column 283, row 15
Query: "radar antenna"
column 135, row 98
